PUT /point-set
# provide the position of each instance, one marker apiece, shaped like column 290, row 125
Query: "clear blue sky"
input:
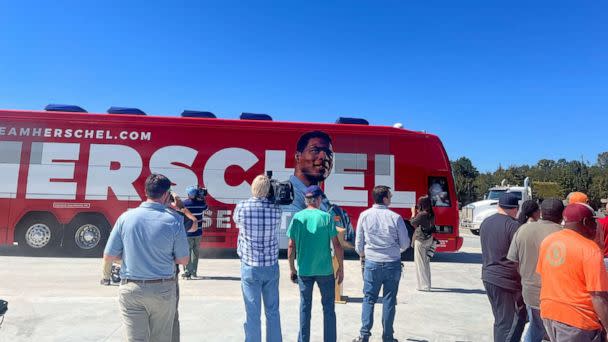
column 500, row 82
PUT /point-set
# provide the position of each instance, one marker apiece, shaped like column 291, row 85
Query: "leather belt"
column 146, row 281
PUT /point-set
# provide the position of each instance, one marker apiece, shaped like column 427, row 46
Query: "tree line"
column 549, row 178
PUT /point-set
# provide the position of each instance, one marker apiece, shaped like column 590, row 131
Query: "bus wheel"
column 38, row 233
column 475, row 231
column 87, row 234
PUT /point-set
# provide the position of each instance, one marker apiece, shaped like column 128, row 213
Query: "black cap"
column 552, row 209
column 508, row 200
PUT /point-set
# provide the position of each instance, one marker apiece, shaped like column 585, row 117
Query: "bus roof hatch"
column 64, row 108
column 125, row 110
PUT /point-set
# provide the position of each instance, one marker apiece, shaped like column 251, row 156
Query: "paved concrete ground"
column 60, row 299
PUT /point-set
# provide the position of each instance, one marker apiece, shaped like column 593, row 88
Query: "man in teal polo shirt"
column 311, row 234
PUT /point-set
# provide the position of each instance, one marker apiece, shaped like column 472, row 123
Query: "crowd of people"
column 316, row 256
column 152, row 239
column 546, row 266
column 549, row 267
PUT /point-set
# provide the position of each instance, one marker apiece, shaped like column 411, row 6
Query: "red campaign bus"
column 67, row 174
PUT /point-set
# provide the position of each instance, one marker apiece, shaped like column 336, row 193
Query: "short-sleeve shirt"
column 524, row 251
column 312, row 231
column 570, row 266
column 602, row 228
column 298, row 203
column 197, row 208
column 496, row 234
column 148, row 239
column 340, row 216
column 258, row 221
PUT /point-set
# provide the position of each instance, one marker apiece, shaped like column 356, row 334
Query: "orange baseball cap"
column 577, row 197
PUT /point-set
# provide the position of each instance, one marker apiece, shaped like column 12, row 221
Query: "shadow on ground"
column 360, row 300
column 459, row 257
column 225, row 253
column 457, row 290
column 218, row 278
column 54, row 253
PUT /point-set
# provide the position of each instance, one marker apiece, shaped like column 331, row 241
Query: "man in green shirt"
column 311, row 234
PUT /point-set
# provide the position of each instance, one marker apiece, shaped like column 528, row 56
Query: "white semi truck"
column 473, row 214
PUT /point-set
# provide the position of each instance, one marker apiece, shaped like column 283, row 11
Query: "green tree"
column 483, row 182
column 543, row 190
column 550, row 177
column 464, row 178
column 573, row 176
column 602, row 160
column 515, row 175
column 599, row 185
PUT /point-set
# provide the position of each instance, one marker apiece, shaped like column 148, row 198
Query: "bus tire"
column 475, row 231
column 87, row 234
column 38, row 233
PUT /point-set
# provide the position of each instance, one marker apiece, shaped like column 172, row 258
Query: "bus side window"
column 438, row 190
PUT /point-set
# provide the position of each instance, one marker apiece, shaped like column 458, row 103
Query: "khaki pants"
column 194, row 243
column 148, row 311
column 423, row 264
column 176, row 330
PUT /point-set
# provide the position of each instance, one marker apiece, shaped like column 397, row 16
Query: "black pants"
column 509, row 313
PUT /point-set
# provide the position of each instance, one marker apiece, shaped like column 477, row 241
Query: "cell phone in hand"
column 294, row 278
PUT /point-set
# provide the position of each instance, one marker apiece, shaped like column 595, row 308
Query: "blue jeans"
column 387, row 276
column 536, row 329
column 328, row 292
column 261, row 283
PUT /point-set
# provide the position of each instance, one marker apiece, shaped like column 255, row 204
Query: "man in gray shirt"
column 381, row 237
column 524, row 251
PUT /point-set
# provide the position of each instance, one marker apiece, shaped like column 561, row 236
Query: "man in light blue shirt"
column 150, row 240
column 381, row 237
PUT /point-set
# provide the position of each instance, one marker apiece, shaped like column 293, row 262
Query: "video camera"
column 280, row 193
column 201, row 193
column 197, row 193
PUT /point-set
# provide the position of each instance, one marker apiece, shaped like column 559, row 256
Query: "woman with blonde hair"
column 423, row 242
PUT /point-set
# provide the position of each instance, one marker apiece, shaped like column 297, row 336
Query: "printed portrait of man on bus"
column 314, row 161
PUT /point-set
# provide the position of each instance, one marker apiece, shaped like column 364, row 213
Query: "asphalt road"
column 60, row 299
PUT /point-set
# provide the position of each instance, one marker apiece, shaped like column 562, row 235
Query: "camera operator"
column 258, row 220
column 175, row 204
column 197, row 205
